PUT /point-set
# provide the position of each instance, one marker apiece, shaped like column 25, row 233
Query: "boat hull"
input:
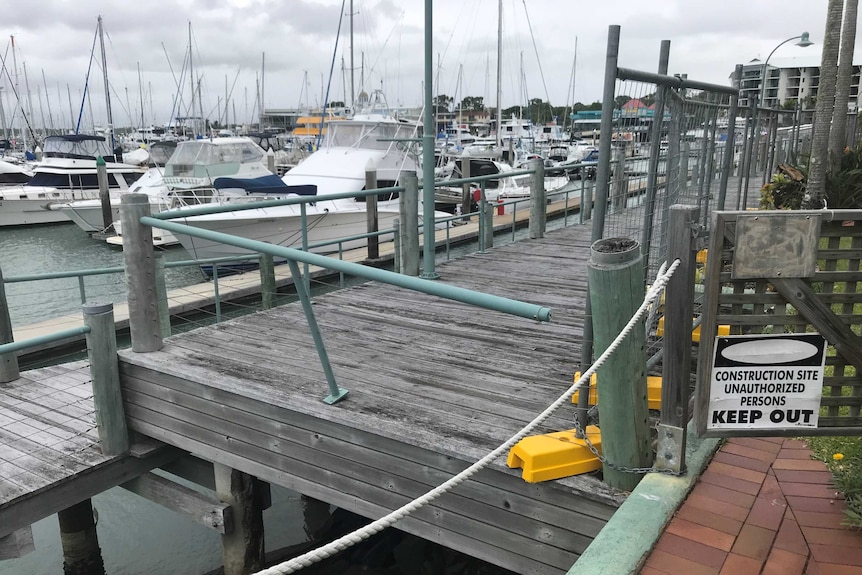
column 28, row 212
column 323, row 227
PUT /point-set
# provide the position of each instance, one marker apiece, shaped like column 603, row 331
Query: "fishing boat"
column 66, row 173
column 373, row 137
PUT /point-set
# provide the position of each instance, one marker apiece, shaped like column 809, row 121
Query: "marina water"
column 136, row 535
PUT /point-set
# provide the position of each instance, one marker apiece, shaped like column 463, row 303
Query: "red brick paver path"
column 762, row 506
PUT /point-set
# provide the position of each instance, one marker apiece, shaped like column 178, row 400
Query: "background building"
column 789, row 80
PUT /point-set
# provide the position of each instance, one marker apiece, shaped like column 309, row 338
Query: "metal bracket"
column 671, row 448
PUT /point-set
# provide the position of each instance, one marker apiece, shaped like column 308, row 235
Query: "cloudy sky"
column 298, row 37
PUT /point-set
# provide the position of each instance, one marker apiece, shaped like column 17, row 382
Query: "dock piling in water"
column 8, row 361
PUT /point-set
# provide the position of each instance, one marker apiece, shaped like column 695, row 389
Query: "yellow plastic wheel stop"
column 556, row 455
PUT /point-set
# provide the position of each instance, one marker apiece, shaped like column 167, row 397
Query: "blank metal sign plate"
column 776, row 245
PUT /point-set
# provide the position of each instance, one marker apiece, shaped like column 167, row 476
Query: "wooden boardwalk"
column 49, row 448
column 434, row 385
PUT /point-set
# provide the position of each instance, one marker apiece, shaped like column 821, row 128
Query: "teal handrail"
column 16, row 346
column 486, row 301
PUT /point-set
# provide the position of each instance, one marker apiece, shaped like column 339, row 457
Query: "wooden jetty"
column 434, row 385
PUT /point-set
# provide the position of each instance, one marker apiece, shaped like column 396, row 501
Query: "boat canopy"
column 269, row 184
column 212, row 158
column 81, row 146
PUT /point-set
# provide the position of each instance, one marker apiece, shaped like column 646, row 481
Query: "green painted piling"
column 616, row 291
column 538, row 201
column 105, row 373
column 9, row 360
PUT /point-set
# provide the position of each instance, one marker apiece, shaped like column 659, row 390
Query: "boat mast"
column 191, row 83
column 499, row 72
column 18, row 96
column 262, row 89
column 352, row 86
column 107, row 86
column 48, row 100
column 141, row 94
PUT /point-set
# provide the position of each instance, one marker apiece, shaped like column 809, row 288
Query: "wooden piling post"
column 81, row 552
column 104, row 195
column 140, row 274
column 105, row 373
column 538, row 201
column 243, row 547
column 488, row 228
column 162, row 295
column 371, row 211
column 409, row 216
column 396, row 245
column 8, row 361
column 267, row 281
column 616, row 291
column 466, row 196
column 676, row 365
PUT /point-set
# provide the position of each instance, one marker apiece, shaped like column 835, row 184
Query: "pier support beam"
column 242, row 549
column 408, row 208
column 17, row 544
column 81, row 552
column 371, row 211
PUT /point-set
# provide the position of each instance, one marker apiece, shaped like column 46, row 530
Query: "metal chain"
column 604, row 460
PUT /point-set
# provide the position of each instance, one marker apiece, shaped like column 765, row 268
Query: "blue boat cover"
column 269, row 184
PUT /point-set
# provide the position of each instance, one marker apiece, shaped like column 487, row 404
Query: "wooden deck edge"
column 618, row 549
column 47, row 501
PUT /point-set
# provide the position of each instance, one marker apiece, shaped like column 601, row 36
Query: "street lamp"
column 804, row 42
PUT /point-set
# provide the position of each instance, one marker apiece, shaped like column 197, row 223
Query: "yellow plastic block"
column 653, row 390
column 695, row 334
column 555, row 455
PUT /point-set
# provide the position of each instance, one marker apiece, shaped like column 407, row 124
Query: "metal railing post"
column 335, row 393
column 653, row 161
column 140, row 274
column 676, row 365
column 729, row 142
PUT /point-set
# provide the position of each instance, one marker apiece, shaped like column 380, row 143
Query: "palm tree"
column 816, row 190
column 838, row 136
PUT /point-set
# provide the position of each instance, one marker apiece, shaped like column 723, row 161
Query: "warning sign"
column 766, row 381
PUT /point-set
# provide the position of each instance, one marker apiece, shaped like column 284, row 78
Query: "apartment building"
column 788, row 79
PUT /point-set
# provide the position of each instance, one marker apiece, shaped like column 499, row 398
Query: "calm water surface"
column 136, row 535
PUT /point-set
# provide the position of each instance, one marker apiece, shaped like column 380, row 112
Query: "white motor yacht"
column 372, row 137
column 66, row 173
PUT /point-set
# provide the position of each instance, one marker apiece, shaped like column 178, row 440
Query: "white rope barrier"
column 379, row 525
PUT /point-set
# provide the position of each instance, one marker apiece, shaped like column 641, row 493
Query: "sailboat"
column 68, row 173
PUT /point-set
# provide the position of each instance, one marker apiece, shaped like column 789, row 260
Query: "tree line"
column 537, row 110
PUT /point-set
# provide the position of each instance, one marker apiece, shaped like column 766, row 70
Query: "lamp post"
column 803, row 42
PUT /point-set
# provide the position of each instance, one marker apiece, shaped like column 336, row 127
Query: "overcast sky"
column 298, row 38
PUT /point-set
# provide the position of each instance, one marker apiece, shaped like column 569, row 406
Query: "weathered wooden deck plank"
column 434, row 385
